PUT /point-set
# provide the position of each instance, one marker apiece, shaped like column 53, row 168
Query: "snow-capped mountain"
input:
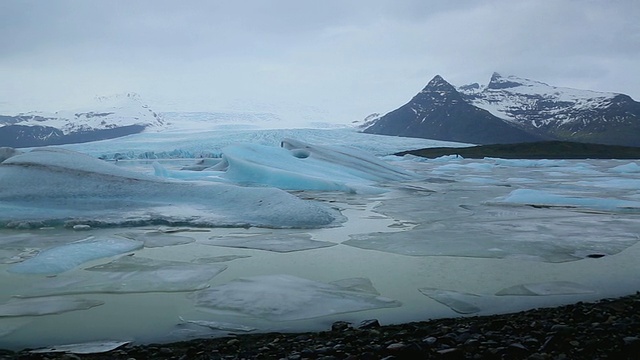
column 535, row 108
column 440, row 112
column 109, row 117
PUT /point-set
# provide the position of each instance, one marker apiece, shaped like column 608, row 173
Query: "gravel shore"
column 608, row 329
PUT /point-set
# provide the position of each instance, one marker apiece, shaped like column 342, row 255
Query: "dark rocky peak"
column 438, row 84
column 499, row 82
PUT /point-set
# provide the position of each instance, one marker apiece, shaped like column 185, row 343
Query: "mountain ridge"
column 537, row 111
column 110, row 117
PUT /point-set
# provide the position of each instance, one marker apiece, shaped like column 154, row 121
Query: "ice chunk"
column 66, row 257
column 153, row 239
column 278, row 242
column 460, row 302
column 83, row 190
column 130, row 274
column 286, row 297
column 546, row 288
column 545, row 198
column 93, row 347
column 46, row 305
column 631, row 167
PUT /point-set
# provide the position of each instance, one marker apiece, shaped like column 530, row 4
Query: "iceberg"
column 80, row 189
column 544, row 198
column 66, row 257
column 287, row 297
column 297, row 166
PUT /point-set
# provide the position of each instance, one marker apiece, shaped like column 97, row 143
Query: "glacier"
column 404, row 240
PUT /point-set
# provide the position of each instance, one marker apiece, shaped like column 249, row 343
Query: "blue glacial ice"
column 66, row 257
column 48, row 187
column 296, row 166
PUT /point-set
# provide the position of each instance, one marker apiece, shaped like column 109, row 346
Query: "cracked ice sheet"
column 276, row 242
column 551, row 236
column 46, row 306
column 66, row 257
column 129, row 274
column 469, row 303
column 286, row 297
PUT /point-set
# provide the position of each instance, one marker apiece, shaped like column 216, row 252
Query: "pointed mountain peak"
column 499, row 82
column 438, row 84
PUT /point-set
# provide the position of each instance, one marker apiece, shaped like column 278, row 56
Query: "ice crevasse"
column 52, row 186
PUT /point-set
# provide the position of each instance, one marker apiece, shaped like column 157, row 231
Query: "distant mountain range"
column 512, row 110
column 109, row 117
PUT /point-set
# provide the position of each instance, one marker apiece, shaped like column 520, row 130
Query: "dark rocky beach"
column 607, row 329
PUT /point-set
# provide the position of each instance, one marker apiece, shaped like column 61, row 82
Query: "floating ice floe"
column 460, row 302
column 545, row 198
column 563, row 239
column 83, row 190
column 277, row 242
column 218, row 259
column 66, row 257
column 93, row 347
column 129, row 274
column 217, row 325
column 152, row 239
column 546, row 288
column 469, row 303
column 286, row 297
column 46, row 305
column 297, row 166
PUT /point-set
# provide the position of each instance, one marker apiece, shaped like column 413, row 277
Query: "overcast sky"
column 349, row 58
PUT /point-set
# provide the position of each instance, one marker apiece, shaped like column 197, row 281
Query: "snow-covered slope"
column 107, row 117
column 532, row 102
